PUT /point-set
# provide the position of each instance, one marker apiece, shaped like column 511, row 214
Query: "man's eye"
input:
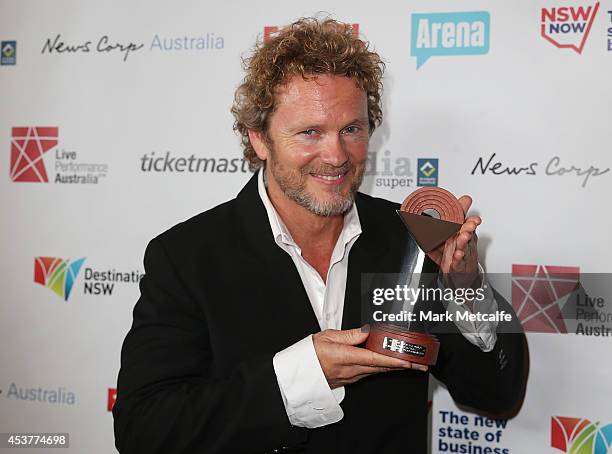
column 351, row 129
column 309, row 132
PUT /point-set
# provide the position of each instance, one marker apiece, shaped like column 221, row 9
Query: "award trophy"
column 429, row 233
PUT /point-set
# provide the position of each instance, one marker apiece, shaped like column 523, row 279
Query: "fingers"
column 466, row 203
column 354, row 336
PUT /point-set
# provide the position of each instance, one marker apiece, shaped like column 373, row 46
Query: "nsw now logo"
column 449, row 34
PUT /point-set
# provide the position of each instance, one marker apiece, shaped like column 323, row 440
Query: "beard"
column 293, row 184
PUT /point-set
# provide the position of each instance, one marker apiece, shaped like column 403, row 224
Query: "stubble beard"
column 294, row 187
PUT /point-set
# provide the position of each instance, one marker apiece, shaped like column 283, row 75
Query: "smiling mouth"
column 329, row 177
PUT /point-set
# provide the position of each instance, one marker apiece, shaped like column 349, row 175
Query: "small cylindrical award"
column 429, row 232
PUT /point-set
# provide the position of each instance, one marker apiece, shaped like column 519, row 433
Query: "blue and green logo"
column 449, row 34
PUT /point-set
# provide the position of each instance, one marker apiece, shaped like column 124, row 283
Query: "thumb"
column 354, row 336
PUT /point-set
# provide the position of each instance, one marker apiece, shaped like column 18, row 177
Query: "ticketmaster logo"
column 448, row 34
column 57, row 274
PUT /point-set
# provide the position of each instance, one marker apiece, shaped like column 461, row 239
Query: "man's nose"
column 333, row 151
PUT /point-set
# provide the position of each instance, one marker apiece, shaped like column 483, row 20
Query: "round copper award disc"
column 434, row 198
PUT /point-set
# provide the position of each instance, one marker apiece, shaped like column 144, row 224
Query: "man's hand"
column 458, row 256
column 343, row 362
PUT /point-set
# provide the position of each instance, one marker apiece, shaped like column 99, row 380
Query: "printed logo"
column 580, row 436
column 8, row 53
column 609, row 32
column 449, row 34
column 270, row 31
column 57, row 274
column 58, row 396
column 427, row 172
column 111, row 397
column 388, row 171
column 28, row 145
column 60, row 275
column 568, row 26
column 554, row 167
column 28, row 148
column 539, row 294
column 170, row 163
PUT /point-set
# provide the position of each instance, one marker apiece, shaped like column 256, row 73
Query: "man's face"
column 318, row 143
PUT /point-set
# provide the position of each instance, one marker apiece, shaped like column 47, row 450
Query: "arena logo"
column 270, row 31
column 8, row 53
column 580, row 436
column 111, row 398
column 555, row 167
column 60, row 275
column 568, row 27
column 57, row 396
column 449, row 34
column 29, row 145
column 169, row 163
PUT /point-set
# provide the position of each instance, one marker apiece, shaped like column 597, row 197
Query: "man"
column 247, row 334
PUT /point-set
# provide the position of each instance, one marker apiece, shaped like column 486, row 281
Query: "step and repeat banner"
column 115, row 125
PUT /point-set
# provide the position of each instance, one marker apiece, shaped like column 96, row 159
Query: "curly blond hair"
column 307, row 47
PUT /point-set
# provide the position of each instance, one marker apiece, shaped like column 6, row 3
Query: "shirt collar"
column 350, row 230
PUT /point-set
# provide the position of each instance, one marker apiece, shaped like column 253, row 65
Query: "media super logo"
column 57, row 274
column 449, row 34
column 580, row 436
column 28, row 145
column 568, row 27
column 427, row 172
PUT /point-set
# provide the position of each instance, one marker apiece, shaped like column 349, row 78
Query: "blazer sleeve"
column 169, row 400
column 492, row 382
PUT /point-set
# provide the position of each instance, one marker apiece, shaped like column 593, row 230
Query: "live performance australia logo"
column 390, row 171
column 568, row 27
column 8, row 53
column 493, row 165
column 60, row 276
column 204, row 41
column 580, row 435
column 555, row 299
column 449, row 34
column 29, row 148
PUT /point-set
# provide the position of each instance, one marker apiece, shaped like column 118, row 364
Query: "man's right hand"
column 343, row 362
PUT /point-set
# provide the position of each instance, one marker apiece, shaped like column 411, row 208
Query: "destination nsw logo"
column 60, row 275
column 580, row 436
column 29, row 146
column 449, row 34
column 568, row 27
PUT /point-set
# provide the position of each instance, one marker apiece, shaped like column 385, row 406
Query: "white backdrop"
column 520, row 97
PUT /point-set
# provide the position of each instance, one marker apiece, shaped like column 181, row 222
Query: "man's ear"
column 259, row 143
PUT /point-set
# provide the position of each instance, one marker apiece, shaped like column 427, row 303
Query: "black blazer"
column 220, row 298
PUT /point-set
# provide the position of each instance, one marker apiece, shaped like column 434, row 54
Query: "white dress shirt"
column 309, row 401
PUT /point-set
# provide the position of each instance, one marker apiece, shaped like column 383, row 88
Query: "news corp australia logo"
column 568, row 27
column 580, row 436
column 30, row 146
column 449, row 34
column 60, row 276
